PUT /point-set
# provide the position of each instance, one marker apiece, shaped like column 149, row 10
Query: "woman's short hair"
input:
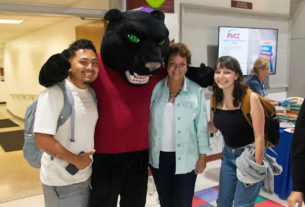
column 260, row 63
column 179, row 49
column 240, row 88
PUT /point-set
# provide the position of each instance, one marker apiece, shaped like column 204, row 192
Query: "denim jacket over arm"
column 191, row 130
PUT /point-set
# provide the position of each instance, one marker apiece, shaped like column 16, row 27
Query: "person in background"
column 260, row 71
column 178, row 131
column 228, row 90
column 61, row 187
column 298, row 161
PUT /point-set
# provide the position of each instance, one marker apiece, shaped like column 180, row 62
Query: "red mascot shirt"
column 123, row 112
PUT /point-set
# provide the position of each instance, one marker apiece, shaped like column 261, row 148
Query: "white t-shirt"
column 49, row 106
column 168, row 138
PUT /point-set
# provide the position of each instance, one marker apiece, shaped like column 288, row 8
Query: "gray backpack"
column 32, row 153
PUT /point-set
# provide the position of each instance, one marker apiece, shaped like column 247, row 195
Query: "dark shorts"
column 123, row 174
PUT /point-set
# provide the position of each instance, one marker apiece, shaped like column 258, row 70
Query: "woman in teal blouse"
column 178, row 135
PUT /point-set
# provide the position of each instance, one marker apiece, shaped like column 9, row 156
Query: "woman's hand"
column 212, row 128
column 295, row 198
column 201, row 164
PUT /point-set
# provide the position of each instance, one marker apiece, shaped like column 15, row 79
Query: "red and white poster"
column 2, row 74
column 241, row 4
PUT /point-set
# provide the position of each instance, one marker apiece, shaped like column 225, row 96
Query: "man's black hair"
column 77, row 45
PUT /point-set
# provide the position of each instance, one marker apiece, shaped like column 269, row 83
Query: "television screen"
column 248, row 44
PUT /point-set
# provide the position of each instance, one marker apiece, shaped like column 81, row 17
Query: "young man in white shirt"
column 61, row 187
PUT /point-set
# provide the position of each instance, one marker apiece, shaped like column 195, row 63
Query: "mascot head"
column 135, row 43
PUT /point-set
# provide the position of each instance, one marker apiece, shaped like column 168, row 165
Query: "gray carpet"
column 12, row 141
column 4, row 123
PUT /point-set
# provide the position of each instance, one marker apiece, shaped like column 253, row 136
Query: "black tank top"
column 234, row 127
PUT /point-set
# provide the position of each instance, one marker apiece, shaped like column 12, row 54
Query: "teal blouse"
column 191, row 129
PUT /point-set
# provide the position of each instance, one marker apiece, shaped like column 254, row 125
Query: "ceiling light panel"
column 10, row 21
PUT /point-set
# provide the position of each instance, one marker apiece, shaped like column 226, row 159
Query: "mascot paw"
column 203, row 75
column 54, row 70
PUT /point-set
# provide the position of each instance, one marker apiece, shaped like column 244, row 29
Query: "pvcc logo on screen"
column 233, row 34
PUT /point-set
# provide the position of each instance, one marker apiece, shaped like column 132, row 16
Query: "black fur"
column 113, row 14
column 203, row 75
column 121, row 54
column 54, row 70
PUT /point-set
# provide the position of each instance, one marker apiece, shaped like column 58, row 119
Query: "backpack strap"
column 213, row 105
column 245, row 107
column 30, row 117
column 68, row 108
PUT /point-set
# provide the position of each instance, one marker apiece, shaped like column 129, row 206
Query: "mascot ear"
column 113, row 14
column 158, row 14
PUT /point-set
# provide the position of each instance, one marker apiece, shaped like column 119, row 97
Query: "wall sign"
column 241, row 4
column 2, row 74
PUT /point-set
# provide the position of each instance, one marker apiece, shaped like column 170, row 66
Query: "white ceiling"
column 54, row 2
column 42, row 13
column 30, row 24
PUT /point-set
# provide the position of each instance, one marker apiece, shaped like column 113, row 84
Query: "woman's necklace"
column 172, row 96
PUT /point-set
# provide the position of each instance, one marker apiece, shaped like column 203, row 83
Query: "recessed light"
column 10, row 21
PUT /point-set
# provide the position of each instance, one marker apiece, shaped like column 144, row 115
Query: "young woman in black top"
column 228, row 118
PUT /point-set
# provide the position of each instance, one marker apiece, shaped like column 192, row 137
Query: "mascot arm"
column 203, row 75
column 54, row 70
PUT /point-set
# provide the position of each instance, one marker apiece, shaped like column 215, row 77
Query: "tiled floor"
column 207, row 198
column 208, row 179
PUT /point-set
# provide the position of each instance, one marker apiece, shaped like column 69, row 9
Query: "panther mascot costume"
column 130, row 62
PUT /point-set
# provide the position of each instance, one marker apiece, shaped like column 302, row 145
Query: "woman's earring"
column 235, row 82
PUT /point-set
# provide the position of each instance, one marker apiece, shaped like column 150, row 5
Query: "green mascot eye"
column 133, row 38
column 162, row 43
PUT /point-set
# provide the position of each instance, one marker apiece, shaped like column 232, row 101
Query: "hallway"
column 18, row 180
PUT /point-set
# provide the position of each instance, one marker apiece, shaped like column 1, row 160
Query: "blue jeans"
column 174, row 190
column 230, row 188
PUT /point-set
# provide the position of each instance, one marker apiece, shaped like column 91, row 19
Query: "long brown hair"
column 240, row 88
